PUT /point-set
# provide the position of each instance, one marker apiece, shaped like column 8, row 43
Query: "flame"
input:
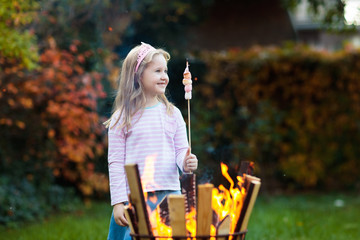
column 228, row 201
column 224, row 202
column 190, row 219
column 149, row 169
column 159, row 228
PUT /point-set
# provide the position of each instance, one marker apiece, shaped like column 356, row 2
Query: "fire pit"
column 216, row 213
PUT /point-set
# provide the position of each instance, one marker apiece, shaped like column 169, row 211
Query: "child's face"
column 155, row 78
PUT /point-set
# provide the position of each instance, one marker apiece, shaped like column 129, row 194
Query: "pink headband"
column 144, row 50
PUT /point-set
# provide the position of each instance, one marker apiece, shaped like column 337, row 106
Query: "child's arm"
column 116, row 160
column 119, row 214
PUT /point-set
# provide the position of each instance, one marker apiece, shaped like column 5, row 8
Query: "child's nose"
column 164, row 75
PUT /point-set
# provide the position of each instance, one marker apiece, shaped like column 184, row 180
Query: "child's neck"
column 151, row 102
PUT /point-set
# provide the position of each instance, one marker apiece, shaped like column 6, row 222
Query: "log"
column 138, row 201
column 131, row 218
column 248, row 179
column 248, row 205
column 177, row 215
column 188, row 188
column 246, row 167
column 204, row 210
column 224, row 227
column 164, row 211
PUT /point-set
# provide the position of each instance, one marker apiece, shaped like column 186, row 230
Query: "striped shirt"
column 156, row 141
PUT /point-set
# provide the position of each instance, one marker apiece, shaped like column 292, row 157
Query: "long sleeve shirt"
column 155, row 141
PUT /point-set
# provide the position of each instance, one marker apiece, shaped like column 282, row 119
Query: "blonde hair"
column 130, row 97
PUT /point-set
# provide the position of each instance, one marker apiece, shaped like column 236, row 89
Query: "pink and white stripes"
column 157, row 142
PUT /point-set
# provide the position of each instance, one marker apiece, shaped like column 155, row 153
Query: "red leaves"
column 66, row 96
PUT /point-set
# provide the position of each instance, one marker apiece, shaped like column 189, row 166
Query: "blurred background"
column 276, row 83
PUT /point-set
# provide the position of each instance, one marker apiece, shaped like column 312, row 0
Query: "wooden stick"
column 224, row 227
column 188, row 188
column 189, row 128
column 177, row 214
column 204, row 209
column 248, row 179
column 137, row 200
column 248, row 205
column 164, row 211
column 246, row 167
column 130, row 216
column 252, row 178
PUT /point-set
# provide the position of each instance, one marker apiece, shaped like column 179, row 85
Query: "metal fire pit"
column 235, row 236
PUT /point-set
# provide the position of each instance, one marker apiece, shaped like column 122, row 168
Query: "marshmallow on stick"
column 187, row 82
column 188, row 88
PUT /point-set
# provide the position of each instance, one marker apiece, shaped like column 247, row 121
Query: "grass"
column 318, row 217
column 298, row 217
column 88, row 223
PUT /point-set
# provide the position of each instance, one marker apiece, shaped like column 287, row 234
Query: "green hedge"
column 294, row 111
column 23, row 200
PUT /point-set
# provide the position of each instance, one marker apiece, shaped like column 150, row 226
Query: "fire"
column 191, row 222
column 149, row 168
column 228, row 201
column 158, row 227
column 224, row 202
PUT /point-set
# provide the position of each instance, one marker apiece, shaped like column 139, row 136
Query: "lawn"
column 295, row 217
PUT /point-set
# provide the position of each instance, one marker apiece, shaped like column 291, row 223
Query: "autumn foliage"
column 49, row 121
column 294, row 111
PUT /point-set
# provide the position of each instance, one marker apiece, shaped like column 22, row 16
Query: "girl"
column 145, row 128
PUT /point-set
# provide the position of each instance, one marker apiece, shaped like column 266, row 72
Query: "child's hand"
column 119, row 215
column 190, row 162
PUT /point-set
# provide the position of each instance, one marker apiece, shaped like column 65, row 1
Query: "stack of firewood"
column 174, row 209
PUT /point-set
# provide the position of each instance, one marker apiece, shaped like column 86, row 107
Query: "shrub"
column 293, row 111
column 51, row 131
column 28, row 199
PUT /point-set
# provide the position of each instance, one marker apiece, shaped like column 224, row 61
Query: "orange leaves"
column 6, row 121
column 26, row 102
column 55, row 109
column 11, row 88
column 20, row 124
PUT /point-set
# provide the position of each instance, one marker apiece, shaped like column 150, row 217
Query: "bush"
column 27, row 200
column 293, row 111
column 51, row 131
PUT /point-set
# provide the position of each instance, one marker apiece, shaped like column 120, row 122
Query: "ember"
column 219, row 212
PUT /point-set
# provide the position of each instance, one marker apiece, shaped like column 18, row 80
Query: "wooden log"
column 215, row 218
column 177, row 215
column 131, row 218
column 164, row 211
column 246, row 167
column 137, row 200
column 204, row 210
column 224, row 227
column 248, row 205
column 248, row 179
column 188, row 188
column 252, row 178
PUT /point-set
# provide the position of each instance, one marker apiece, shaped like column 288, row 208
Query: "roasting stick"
column 189, row 128
column 188, row 88
column 188, row 179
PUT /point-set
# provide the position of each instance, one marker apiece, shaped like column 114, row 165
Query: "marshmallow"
column 187, row 82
